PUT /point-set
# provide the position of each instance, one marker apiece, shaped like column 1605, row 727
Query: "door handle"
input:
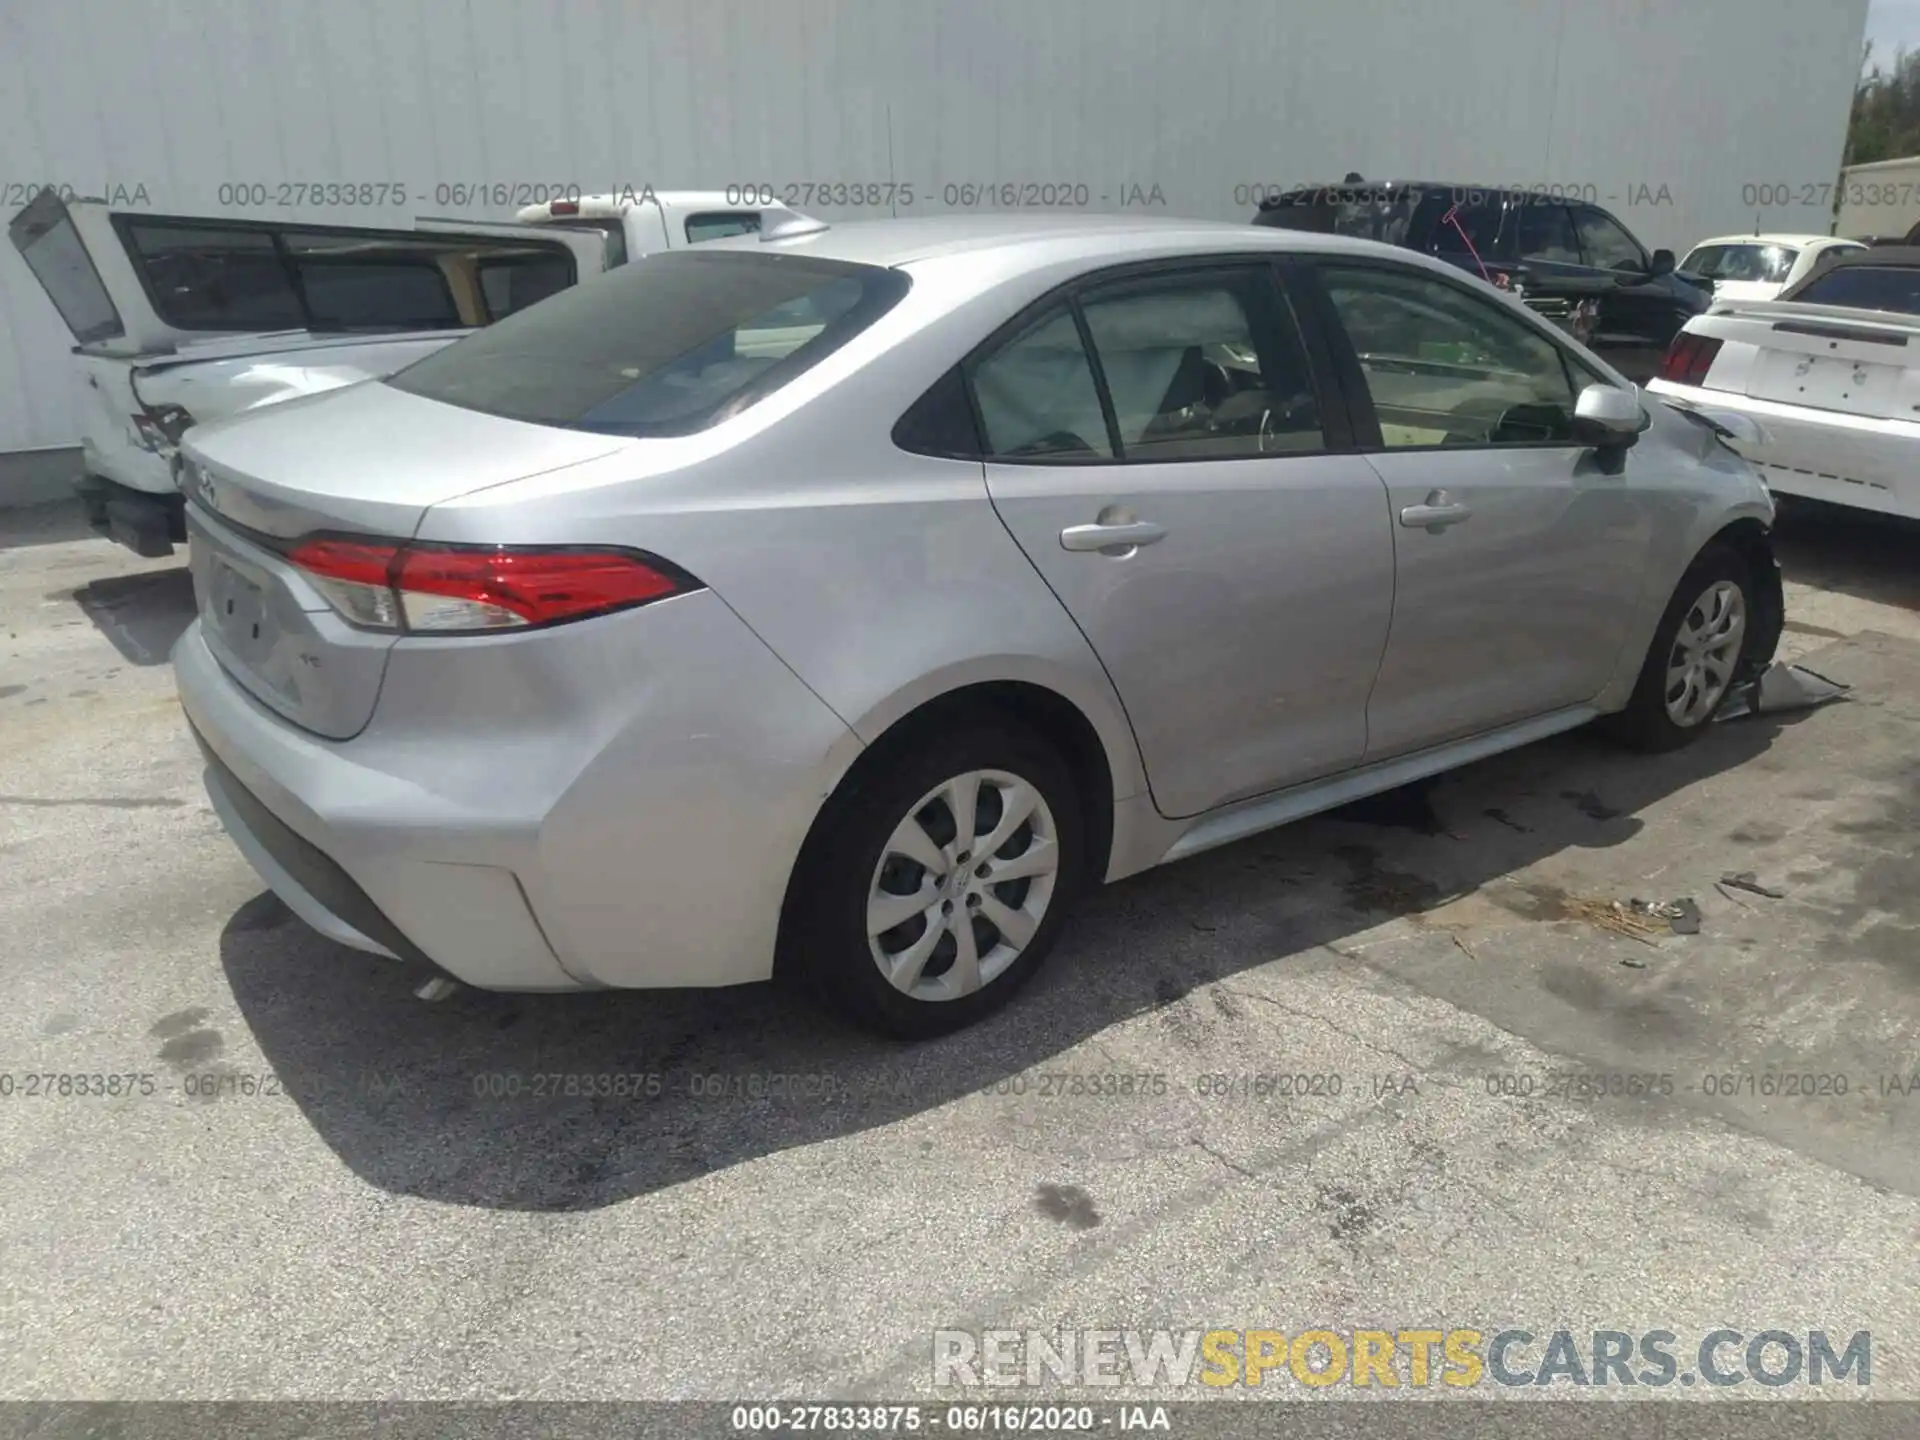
column 1439, row 511
column 1112, row 539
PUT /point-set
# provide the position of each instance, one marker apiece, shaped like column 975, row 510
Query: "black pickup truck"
column 1568, row 259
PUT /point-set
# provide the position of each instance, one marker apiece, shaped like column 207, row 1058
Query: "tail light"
column 1689, row 358
column 564, row 207
column 470, row 589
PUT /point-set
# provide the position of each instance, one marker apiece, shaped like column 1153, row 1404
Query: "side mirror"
column 1663, row 264
column 1608, row 418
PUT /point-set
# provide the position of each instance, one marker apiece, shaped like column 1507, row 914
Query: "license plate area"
column 1827, row 382
column 234, row 606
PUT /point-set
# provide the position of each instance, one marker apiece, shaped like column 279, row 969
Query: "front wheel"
column 939, row 882
column 1696, row 653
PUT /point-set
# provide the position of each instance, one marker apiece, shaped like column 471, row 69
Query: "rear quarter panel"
column 883, row 579
column 104, row 404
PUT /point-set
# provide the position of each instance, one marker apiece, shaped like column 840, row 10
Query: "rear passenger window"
column 1189, row 375
column 1546, row 233
column 514, row 284
column 1037, row 398
column 213, row 278
column 940, row 422
column 1469, row 230
column 378, row 296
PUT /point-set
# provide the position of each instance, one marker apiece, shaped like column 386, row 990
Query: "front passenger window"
column 1444, row 367
column 1607, row 246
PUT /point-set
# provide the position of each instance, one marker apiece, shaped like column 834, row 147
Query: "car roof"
column 899, row 242
column 1295, row 194
column 1881, row 257
column 1805, row 242
column 1877, row 255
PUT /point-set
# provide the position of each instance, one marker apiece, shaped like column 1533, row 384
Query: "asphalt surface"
column 314, row 1193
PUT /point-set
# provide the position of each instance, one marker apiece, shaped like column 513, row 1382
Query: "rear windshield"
column 667, row 345
column 1866, row 287
column 1765, row 264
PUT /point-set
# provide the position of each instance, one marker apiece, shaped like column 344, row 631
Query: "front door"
column 1518, row 560
column 1160, row 450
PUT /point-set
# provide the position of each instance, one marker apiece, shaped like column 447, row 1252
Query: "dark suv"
column 1567, row 258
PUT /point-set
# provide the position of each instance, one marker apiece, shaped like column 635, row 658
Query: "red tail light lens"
column 564, row 207
column 1689, row 358
column 454, row 589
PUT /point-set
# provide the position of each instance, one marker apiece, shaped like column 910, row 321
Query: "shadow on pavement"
column 1852, row 552
column 414, row 1096
column 142, row 615
column 54, row 522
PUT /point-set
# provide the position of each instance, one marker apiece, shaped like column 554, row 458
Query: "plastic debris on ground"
column 1682, row 917
column 1779, row 687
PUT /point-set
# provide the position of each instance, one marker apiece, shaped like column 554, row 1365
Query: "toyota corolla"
column 844, row 601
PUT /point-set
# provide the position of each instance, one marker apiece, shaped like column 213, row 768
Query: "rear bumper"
column 613, row 804
column 474, row 916
column 1820, row 455
column 149, row 525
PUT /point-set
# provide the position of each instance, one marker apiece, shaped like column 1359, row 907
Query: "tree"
column 1886, row 110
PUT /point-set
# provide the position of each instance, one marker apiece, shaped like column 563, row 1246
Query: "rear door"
column 1170, row 460
column 1518, row 560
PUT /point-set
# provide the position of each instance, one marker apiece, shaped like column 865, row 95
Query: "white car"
column 180, row 320
column 1829, row 374
column 1759, row 267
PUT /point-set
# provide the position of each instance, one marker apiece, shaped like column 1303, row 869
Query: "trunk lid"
column 365, row 460
column 1823, row 357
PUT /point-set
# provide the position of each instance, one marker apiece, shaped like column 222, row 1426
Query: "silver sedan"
column 841, row 602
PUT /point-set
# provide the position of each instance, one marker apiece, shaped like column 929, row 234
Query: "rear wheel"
column 937, row 884
column 1695, row 655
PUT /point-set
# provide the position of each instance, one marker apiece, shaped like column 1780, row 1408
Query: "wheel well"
column 1748, row 539
column 1053, row 717
column 1753, row 543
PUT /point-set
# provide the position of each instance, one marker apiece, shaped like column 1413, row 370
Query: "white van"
column 179, row 320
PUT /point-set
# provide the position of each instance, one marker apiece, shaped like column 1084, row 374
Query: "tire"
column 1649, row 721
column 856, row 859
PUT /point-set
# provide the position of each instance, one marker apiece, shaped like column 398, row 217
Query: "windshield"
column 1895, row 289
column 1765, row 264
column 666, row 345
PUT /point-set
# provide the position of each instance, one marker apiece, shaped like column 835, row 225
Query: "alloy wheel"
column 1705, row 650
column 962, row 885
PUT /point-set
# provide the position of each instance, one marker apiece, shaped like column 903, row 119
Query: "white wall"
column 1701, row 98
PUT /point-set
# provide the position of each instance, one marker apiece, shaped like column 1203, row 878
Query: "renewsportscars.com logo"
column 1416, row 1357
